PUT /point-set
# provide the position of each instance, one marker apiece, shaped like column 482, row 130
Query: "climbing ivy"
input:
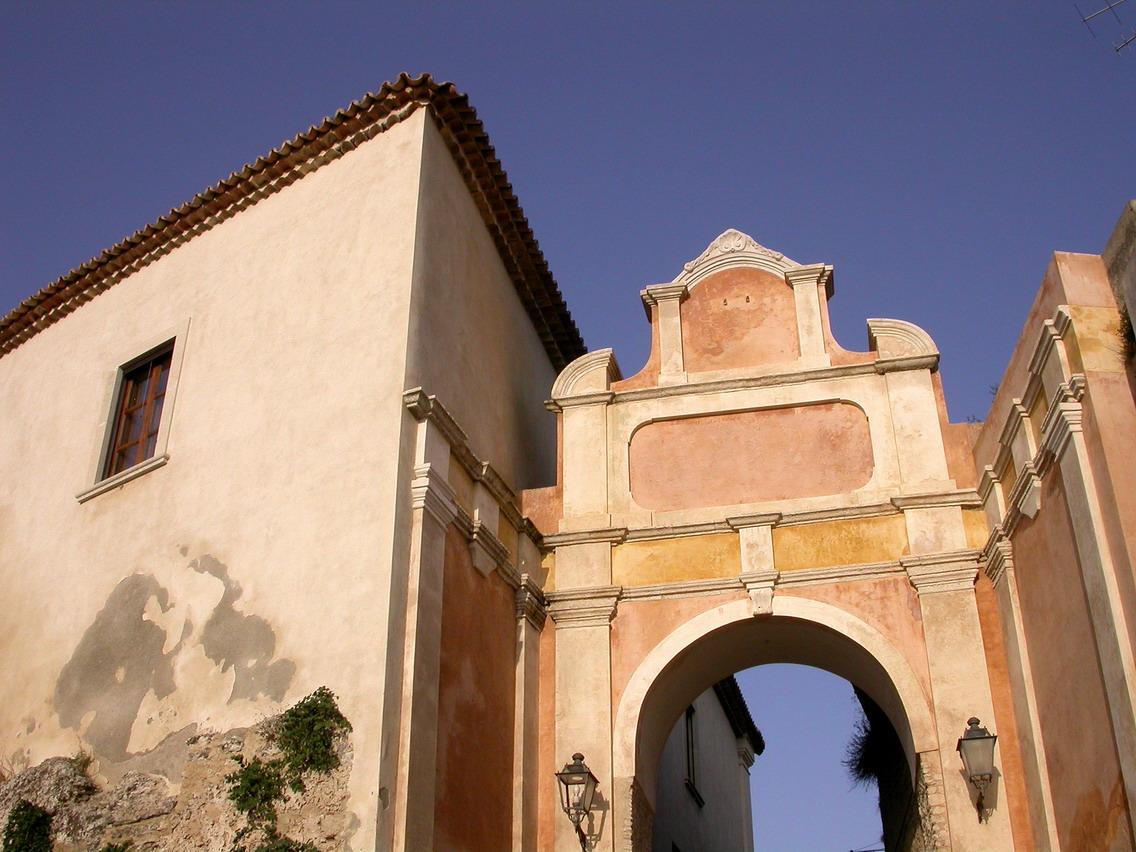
column 305, row 734
column 28, row 829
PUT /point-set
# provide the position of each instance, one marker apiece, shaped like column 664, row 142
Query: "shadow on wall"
column 122, row 657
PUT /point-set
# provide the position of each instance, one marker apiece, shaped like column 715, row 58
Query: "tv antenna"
column 1111, row 7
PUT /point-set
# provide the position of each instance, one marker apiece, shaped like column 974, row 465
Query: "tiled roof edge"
column 365, row 118
column 737, row 711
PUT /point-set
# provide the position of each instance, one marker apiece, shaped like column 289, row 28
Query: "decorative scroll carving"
column 733, row 249
column 732, row 241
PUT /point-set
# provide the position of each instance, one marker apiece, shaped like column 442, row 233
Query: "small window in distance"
column 138, row 411
column 691, row 779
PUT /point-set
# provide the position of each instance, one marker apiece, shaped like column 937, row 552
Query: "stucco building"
column 295, row 434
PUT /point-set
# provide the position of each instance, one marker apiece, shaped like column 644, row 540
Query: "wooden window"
column 138, row 411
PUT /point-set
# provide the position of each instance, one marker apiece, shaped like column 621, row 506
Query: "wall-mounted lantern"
column 976, row 745
column 577, row 788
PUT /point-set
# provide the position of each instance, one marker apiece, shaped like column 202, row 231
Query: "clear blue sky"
column 934, row 153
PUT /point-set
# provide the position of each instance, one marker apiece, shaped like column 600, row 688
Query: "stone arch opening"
column 730, row 638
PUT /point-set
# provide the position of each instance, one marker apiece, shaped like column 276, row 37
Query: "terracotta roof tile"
column 365, row 118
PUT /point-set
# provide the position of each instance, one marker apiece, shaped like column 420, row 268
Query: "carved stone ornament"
column 731, row 249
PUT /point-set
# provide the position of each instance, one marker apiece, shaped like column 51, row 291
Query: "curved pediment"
column 590, row 373
column 730, row 250
column 893, row 338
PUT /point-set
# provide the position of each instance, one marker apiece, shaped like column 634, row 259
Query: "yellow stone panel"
column 508, row 537
column 1037, row 413
column 462, row 483
column 548, row 563
column 702, row 557
column 1097, row 339
column 851, row 542
column 974, row 522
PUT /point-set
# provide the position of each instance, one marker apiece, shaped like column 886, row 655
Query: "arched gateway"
column 759, row 494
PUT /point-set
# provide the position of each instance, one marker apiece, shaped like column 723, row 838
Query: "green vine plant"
column 305, row 734
column 28, row 829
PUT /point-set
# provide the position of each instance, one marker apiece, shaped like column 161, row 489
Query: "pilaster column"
column 583, row 701
column 667, row 299
column 807, row 282
column 960, row 686
column 1000, row 569
column 531, row 609
column 433, row 508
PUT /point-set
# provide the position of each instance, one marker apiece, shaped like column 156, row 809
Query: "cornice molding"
column 813, row 275
column 486, row 551
column 741, row 522
column 612, row 535
column 427, row 407
column 590, row 607
column 841, row 573
column 681, row 589
column 791, row 377
column 967, row 498
column 663, row 292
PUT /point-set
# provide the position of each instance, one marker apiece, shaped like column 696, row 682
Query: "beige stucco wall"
column 723, row 823
column 142, row 610
column 472, row 343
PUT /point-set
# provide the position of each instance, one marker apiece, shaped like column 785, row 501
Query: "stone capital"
column 588, row 607
column 531, row 605
column 942, row 572
column 430, row 491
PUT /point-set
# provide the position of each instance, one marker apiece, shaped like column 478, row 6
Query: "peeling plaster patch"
column 89, row 693
column 245, row 643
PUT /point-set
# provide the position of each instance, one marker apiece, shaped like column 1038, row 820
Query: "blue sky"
column 936, row 154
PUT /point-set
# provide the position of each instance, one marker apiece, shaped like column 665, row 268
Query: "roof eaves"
column 361, row 120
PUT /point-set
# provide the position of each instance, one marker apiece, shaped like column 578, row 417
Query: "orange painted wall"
column 1088, row 796
column 750, row 456
column 739, row 318
column 475, row 706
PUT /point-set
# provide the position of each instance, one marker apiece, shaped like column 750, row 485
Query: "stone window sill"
column 122, row 477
